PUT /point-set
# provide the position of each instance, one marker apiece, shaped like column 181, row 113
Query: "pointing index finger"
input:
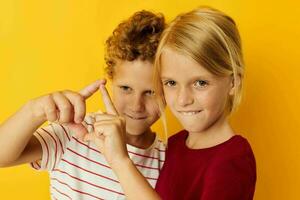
column 91, row 89
column 110, row 108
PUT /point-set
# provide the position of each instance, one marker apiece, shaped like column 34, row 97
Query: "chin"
column 194, row 128
column 191, row 130
column 135, row 131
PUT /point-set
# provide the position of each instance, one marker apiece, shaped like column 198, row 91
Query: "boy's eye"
column 125, row 88
column 170, row 83
column 200, row 83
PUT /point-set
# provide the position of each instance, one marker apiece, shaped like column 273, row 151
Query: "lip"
column 189, row 112
column 135, row 117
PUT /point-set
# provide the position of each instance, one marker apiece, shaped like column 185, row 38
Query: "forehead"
column 179, row 66
column 133, row 72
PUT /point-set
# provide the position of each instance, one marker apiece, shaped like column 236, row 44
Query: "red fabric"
column 223, row 172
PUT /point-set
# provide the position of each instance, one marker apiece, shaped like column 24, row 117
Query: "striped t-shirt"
column 78, row 170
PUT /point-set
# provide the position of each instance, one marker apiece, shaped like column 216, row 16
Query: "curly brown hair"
column 135, row 38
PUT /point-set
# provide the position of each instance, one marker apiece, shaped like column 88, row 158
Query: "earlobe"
column 235, row 82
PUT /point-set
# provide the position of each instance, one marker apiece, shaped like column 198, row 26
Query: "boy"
column 77, row 169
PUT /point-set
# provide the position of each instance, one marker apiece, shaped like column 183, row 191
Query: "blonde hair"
column 209, row 37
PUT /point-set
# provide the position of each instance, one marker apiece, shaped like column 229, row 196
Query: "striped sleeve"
column 53, row 139
column 161, row 148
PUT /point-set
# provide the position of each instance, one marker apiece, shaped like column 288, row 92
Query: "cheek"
column 119, row 103
column 170, row 96
column 152, row 107
column 214, row 101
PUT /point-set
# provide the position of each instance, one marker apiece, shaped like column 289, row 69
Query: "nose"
column 137, row 103
column 184, row 97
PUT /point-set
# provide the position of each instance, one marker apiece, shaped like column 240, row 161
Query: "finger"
column 79, row 105
column 110, row 108
column 79, row 130
column 101, row 117
column 89, row 137
column 97, row 139
column 91, row 89
column 93, row 136
column 108, row 127
column 64, row 107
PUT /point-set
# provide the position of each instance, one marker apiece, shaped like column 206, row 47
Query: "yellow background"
column 58, row 44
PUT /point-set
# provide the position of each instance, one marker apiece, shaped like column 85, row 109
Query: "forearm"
column 134, row 184
column 16, row 132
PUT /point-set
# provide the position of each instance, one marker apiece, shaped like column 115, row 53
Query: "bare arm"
column 17, row 140
column 16, row 133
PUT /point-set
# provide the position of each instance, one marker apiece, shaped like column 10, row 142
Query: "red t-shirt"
column 223, row 172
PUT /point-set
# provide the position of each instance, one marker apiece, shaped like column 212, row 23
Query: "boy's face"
column 133, row 95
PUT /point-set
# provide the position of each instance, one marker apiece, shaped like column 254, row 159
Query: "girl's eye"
column 170, row 83
column 200, row 83
column 125, row 88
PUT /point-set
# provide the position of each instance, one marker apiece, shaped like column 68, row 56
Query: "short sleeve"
column 230, row 180
column 53, row 139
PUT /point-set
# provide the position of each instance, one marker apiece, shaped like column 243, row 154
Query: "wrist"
column 31, row 113
column 121, row 164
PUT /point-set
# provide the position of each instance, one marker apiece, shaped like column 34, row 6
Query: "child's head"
column 130, row 52
column 199, row 65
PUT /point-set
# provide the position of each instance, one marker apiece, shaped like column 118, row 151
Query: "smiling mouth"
column 135, row 117
column 189, row 113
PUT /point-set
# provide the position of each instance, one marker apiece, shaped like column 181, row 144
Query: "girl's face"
column 195, row 96
column 133, row 95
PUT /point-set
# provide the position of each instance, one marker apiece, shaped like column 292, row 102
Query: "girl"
column 199, row 71
column 77, row 169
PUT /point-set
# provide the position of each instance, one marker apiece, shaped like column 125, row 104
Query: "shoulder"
column 159, row 144
column 236, row 148
column 235, row 159
column 232, row 173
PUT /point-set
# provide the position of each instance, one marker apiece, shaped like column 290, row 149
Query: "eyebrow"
column 123, row 85
column 194, row 78
column 165, row 78
column 148, row 89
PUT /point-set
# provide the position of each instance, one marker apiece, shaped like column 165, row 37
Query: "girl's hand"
column 65, row 107
column 109, row 132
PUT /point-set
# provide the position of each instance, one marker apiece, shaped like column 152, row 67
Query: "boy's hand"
column 65, row 107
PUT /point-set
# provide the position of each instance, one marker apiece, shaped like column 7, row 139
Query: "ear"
column 235, row 83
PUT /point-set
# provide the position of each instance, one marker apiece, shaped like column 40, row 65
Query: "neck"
column 142, row 141
column 216, row 134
